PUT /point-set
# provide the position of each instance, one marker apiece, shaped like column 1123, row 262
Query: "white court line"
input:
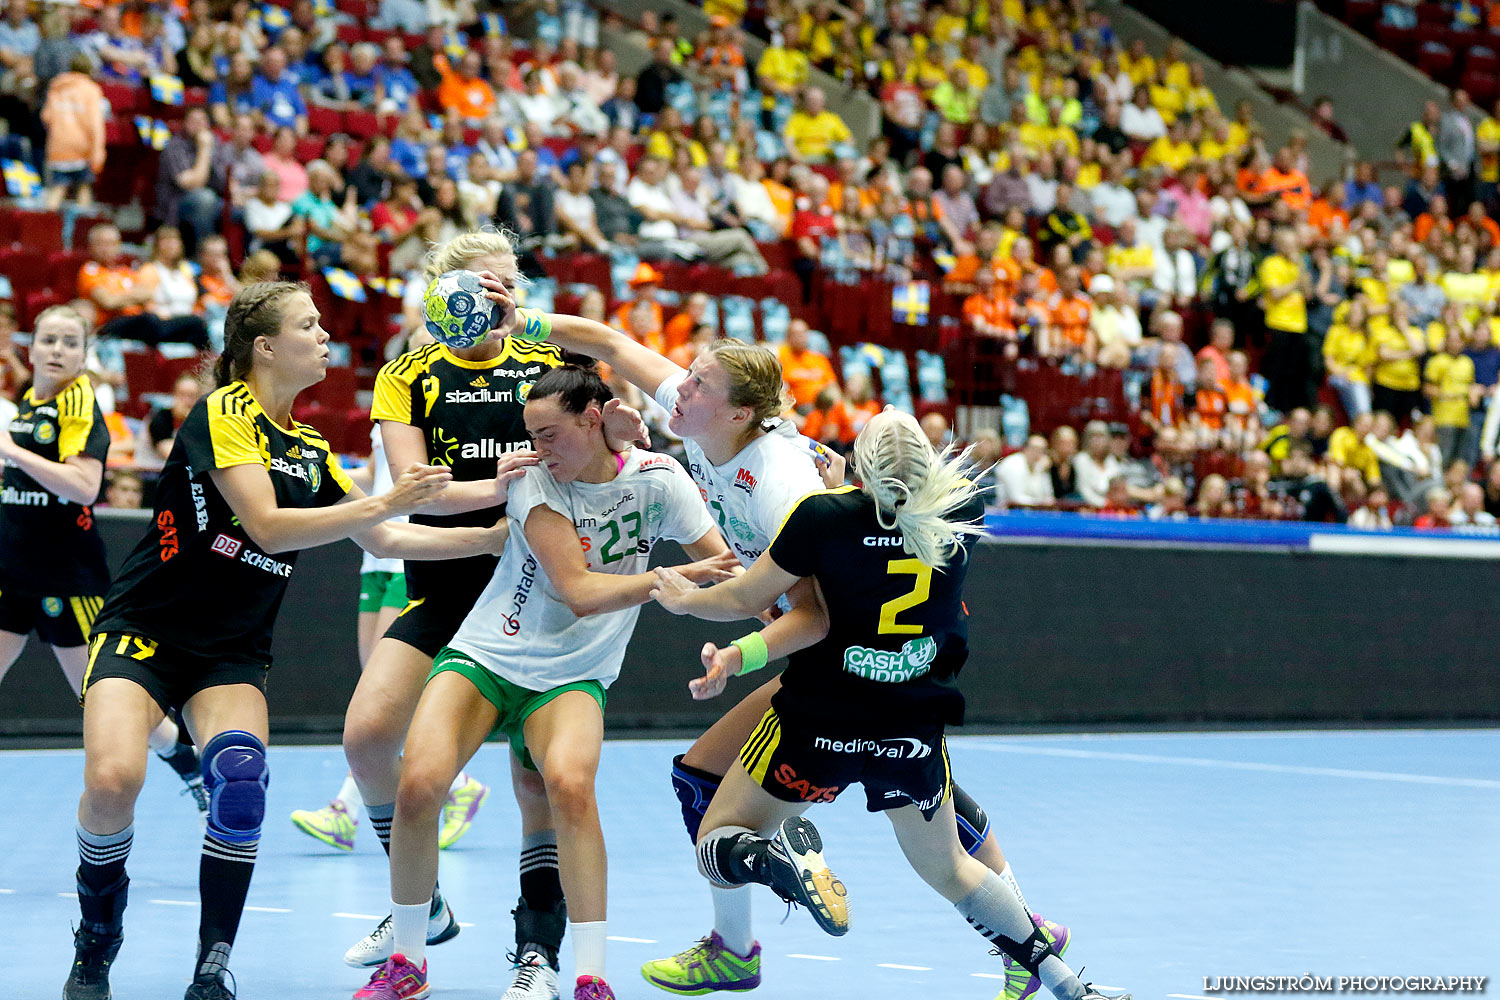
column 357, row 916
column 1239, row 765
column 986, row 975
column 67, row 895
column 462, row 924
column 815, row 958
column 176, row 902
column 1187, row 996
column 7, row 892
column 631, row 940
column 268, row 909
column 908, row 968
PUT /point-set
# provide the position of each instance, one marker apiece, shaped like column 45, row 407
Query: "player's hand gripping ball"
column 457, row 313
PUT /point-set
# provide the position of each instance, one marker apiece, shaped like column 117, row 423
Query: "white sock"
column 163, row 737
column 409, row 924
column 732, row 917
column 992, row 910
column 588, row 947
column 350, row 798
column 459, row 782
column 1009, row 878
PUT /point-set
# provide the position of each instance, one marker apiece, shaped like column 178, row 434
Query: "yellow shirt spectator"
column 1036, row 138
column 957, row 106
column 1163, row 152
column 1239, row 135
column 1013, row 11
column 1179, row 77
column 1402, row 375
column 979, row 77
column 950, row 29
column 1211, row 150
column 1399, row 272
column 1129, row 258
column 1140, row 70
column 1200, row 99
column 812, row 137
column 1347, row 352
column 1451, row 377
column 1377, row 292
column 1466, row 289
column 1168, row 101
column 1288, row 313
column 1345, row 448
column 785, row 69
column 1089, row 176
column 1488, row 134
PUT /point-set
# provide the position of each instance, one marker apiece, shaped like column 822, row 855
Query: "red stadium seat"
column 1401, row 41
column 351, row 34
column 1361, row 14
column 1434, row 13
column 124, row 99
column 34, row 302
column 337, row 389
column 310, row 147
column 41, row 232
column 1436, row 60
column 26, row 268
column 324, row 121
column 1482, row 59
column 64, row 266
column 361, row 124
column 1481, row 86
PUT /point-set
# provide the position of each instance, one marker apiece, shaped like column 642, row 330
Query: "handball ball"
column 457, row 313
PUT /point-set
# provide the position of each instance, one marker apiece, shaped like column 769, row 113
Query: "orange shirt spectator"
column 465, row 91
column 1288, row 183
column 641, row 319
column 1240, row 402
column 1070, row 315
column 831, row 424
column 74, row 116
column 679, row 329
column 990, row 312
column 1424, row 224
column 1322, row 213
column 111, row 280
column 1166, row 398
column 806, row 371
column 1211, row 406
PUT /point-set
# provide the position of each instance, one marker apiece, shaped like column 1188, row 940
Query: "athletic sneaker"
column 210, row 986
column 332, row 825
column 1020, row 984
column 376, row 947
column 592, row 988
column 1090, row 993
column 396, row 979
column 459, row 812
column 535, row 978
column 199, row 793
column 706, row 967
column 92, row 956
column 800, row 875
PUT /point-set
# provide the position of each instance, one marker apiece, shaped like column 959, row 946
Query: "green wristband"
column 534, row 326
column 753, row 651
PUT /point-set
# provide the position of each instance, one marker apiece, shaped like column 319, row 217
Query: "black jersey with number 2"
column 196, row 581
column 49, row 545
column 898, row 629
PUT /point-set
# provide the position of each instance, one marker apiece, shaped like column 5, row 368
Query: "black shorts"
column 170, row 676
column 799, row 759
column 57, row 621
column 431, row 619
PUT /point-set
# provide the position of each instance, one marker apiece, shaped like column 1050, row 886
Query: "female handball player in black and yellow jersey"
column 870, row 701
column 187, row 627
column 53, row 574
column 461, row 409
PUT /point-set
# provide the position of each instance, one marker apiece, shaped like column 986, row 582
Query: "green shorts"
column 381, row 590
column 514, row 703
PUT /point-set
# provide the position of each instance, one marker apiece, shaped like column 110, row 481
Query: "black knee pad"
column 973, row 824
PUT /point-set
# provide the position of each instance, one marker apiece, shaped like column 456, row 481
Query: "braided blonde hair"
column 461, row 251
column 915, row 489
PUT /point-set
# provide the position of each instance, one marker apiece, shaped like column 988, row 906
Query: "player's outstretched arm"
column 803, row 626
column 248, row 491
column 639, row 364
column 424, row 542
column 744, row 596
column 405, row 446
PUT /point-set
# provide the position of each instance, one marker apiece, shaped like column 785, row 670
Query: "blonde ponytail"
column 915, row 488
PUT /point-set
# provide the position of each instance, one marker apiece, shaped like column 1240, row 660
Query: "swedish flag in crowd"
column 323, row 8
column 454, row 45
column 344, row 284
column 274, row 19
column 494, row 24
column 394, row 287
column 515, row 139
column 910, row 302
column 21, row 179
column 153, row 132
column 166, row 89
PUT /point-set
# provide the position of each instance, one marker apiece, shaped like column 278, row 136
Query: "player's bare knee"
column 112, row 786
column 422, row 791
column 530, row 789
column 571, row 795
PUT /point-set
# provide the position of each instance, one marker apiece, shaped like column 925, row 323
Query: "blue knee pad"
column 235, row 775
column 695, row 790
column 973, row 824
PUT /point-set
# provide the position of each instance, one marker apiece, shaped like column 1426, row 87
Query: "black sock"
column 102, row 884
column 541, row 885
column 223, row 883
column 381, row 818
column 735, row 858
column 183, row 759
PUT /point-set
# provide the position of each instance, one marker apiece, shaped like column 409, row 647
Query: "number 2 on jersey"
column 921, row 587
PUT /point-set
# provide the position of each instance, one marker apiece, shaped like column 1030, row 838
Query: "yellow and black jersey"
column 898, row 629
column 196, row 581
column 49, row 545
column 469, row 413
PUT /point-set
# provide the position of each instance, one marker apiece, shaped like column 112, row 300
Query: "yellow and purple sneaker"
column 707, row 967
column 1020, row 984
column 459, row 812
column 396, row 979
column 332, row 825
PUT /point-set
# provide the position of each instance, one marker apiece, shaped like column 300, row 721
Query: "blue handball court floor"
column 1173, row 857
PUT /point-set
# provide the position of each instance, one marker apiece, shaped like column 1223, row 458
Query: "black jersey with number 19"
column 898, row 629
column 196, row 581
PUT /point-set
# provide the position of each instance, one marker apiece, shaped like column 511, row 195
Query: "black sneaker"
column 199, row 793
column 92, row 956
column 800, row 875
column 210, row 987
